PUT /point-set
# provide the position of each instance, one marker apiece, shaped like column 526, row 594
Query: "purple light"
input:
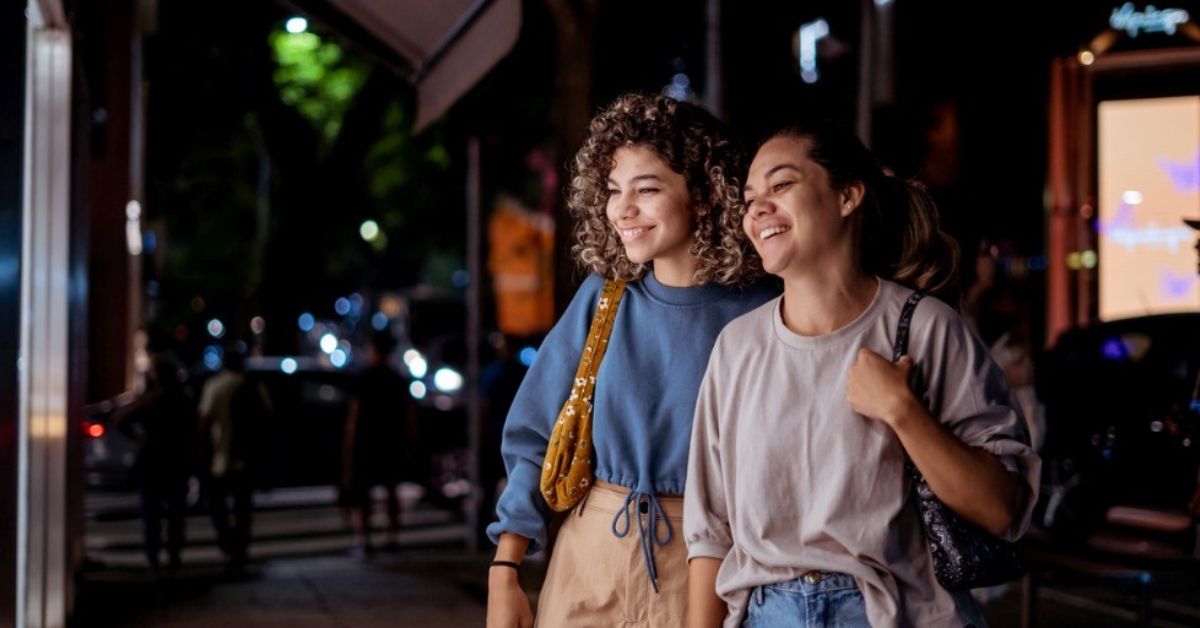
column 1114, row 349
column 1184, row 174
column 1122, row 218
column 1177, row 286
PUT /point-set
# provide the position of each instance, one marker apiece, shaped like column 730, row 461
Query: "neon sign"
column 810, row 34
column 1152, row 20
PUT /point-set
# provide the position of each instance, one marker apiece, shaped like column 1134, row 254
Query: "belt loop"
column 759, row 595
column 582, row 503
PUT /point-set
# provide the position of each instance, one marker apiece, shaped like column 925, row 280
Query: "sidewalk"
column 407, row 589
column 447, row 589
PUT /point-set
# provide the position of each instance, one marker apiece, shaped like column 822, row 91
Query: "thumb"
column 905, row 363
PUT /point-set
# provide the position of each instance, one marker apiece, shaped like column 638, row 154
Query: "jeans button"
column 812, row 577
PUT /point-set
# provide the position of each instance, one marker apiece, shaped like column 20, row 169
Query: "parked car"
column 1123, row 438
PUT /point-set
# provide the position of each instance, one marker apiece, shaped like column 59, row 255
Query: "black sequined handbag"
column 965, row 556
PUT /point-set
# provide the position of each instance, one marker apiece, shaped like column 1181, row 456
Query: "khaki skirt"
column 598, row 579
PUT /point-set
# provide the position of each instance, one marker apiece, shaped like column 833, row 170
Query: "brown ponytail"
column 916, row 252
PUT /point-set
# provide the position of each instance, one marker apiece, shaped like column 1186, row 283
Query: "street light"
column 369, row 230
column 296, row 25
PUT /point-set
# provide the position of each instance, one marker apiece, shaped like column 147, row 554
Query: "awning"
column 449, row 44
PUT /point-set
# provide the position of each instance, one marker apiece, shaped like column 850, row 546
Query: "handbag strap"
column 906, row 314
column 898, row 351
column 597, row 340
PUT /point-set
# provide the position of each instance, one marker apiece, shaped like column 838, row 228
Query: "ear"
column 851, row 197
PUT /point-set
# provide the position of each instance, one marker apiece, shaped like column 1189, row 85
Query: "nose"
column 624, row 206
column 759, row 208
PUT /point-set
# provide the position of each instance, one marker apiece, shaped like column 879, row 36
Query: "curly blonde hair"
column 694, row 144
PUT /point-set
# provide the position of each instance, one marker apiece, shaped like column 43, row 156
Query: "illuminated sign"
column 1149, row 167
column 810, row 34
column 1152, row 20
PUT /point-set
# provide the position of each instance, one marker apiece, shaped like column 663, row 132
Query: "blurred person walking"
column 163, row 423
column 377, row 422
column 232, row 411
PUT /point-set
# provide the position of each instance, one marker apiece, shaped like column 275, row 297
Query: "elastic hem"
column 666, row 487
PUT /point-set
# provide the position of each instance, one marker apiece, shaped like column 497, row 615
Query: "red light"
column 95, row 430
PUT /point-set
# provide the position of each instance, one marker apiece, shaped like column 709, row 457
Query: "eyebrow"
column 640, row 177
column 773, row 170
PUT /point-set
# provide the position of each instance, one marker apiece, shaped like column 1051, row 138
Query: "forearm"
column 971, row 481
column 511, row 547
column 705, row 608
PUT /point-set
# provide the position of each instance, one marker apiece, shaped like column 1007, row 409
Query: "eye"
column 613, row 192
column 781, row 186
column 647, row 190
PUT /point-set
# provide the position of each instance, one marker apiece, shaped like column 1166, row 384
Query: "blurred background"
column 272, row 270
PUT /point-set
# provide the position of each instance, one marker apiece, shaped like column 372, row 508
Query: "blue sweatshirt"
column 644, row 399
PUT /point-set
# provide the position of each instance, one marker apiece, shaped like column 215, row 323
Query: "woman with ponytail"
column 799, row 510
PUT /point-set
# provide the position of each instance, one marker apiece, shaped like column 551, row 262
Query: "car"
column 1123, row 426
column 108, row 454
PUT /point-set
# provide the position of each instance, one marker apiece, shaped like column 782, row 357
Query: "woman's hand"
column 507, row 605
column 971, row 481
column 878, row 389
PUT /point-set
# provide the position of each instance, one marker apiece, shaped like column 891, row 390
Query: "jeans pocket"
column 769, row 607
column 847, row 609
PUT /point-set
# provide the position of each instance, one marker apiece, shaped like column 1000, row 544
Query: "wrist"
column 502, row 573
column 906, row 409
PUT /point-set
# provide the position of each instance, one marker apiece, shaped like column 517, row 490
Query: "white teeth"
column 633, row 233
column 770, row 231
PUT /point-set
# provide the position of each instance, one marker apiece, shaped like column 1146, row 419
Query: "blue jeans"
column 816, row 599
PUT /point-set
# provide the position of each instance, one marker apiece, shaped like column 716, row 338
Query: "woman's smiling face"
column 794, row 216
column 649, row 206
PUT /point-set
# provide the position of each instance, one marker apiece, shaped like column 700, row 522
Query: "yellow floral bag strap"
column 567, row 474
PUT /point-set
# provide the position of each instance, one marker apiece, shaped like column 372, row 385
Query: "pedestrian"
column 163, row 423
column 799, row 510
column 232, row 410
column 374, row 441
column 654, row 193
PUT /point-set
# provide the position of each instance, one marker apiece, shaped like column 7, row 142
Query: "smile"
column 629, row 235
column 771, row 232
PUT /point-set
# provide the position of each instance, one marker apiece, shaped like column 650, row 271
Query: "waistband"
column 816, row 582
column 613, row 498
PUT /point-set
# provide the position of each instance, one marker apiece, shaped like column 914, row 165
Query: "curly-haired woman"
column 655, row 192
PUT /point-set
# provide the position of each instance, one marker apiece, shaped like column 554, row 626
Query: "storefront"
column 1124, row 171
column 71, row 201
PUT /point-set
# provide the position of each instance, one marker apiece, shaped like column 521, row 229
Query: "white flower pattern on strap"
column 567, row 472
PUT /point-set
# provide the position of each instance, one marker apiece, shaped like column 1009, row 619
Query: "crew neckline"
column 849, row 330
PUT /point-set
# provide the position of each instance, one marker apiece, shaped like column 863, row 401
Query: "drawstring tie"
column 647, row 528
